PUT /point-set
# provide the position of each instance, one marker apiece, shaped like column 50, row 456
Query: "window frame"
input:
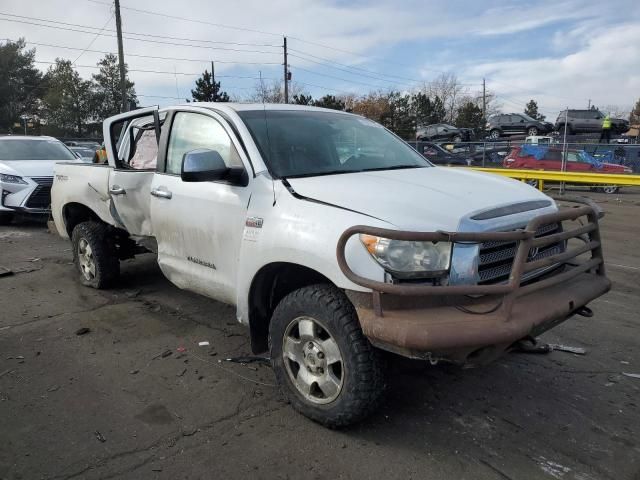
column 165, row 138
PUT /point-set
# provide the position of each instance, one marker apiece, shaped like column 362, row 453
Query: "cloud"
column 606, row 70
column 373, row 35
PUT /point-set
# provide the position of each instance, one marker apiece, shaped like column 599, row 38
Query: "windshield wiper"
column 319, row 174
column 395, row 167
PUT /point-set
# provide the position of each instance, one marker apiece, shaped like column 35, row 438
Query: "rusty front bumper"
column 475, row 323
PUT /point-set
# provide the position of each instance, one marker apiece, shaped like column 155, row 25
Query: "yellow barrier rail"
column 616, row 179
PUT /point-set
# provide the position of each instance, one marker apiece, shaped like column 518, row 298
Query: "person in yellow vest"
column 101, row 155
column 606, row 129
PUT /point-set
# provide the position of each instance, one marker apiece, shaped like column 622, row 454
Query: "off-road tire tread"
column 364, row 393
column 104, row 253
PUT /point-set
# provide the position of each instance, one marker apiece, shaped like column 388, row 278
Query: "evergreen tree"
column 67, row 101
column 303, row 99
column 470, row 116
column 532, row 110
column 21, row 84
column 107, row 99
column 207, row 90
column 330, row 101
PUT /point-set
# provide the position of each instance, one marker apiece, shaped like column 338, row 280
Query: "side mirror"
column 203, row 165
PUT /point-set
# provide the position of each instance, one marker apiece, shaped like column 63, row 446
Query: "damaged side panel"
column 84, row 184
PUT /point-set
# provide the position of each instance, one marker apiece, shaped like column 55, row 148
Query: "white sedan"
column 26, row 173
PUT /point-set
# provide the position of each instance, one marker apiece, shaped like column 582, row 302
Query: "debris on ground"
column 181, row 349
column 632, row 375
column 532, row 346
column 99, row 436
column 567, row 348
column 166, row 353
column 249, row 359
column 83, row 331
column 181, row 373
column 2, row 374
column 132, row 294
column 5, row 272
column 203, row 344
column 134, row 372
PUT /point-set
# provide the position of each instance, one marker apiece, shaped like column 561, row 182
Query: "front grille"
column 496, row 258
column 41, row 196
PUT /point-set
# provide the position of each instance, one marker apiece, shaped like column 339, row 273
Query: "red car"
column 551, row 159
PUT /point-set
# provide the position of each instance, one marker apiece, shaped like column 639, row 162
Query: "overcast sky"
column 560, row 52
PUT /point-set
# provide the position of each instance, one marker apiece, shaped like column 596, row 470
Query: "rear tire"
column 6, row 218
column 610, row 189
column 94, row 254
column 532, row 131
column 324, row 365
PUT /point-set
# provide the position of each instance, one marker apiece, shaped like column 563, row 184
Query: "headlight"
column 11, row 179
column 409, row 259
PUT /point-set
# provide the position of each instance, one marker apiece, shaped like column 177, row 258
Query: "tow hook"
column 585, row 312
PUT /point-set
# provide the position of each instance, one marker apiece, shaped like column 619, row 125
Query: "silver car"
column 26, row 173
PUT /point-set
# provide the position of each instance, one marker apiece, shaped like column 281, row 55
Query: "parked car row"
column 26, row 173
column 533, row 157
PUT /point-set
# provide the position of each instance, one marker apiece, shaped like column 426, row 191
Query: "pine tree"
column 532, row 110
column 107, row 93
column 207, row 90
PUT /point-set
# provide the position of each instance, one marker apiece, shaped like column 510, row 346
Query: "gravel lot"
column 124, row 400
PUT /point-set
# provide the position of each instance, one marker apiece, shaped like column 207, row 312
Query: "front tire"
column 532, row 131
column 457, row 139
column 323, row 363
column 494, row 134
column 610, row 189
column 94, row 254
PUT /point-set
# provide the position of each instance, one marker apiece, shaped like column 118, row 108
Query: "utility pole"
column 213, row 80
column 286, row 73
column 484, row 99
column 123, row 85
column 589, row 107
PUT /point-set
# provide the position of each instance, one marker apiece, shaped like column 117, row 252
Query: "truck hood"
column 30, row 168
column 434, row 198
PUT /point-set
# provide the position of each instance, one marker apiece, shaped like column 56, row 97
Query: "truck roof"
column 26, row 137
column 238, row 107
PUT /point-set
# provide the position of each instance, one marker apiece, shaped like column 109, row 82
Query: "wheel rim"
column 533, row 132
column 495, row 134
column 85, row 259
column 610, row 189
column 313, row 360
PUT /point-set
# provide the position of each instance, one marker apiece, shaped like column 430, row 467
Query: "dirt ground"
column 124, row 400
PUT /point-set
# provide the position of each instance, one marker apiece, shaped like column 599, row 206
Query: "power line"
column 140, row 39
column 24, row 17
column 94, row 39
column 163, row 72
column 146, row 56
column 204, row 22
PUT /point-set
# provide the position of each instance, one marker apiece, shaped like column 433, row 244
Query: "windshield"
column 27, row 149
column 311, row 143
column 531, row 119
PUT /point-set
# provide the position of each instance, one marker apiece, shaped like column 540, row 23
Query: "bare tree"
column 617, row 111
column 447, row 87
column 273, row 91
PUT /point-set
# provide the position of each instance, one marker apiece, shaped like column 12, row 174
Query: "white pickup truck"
column 334, row 240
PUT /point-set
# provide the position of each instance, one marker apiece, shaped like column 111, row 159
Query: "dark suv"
column 588, row 121
column 515, row 124
column 444, row 132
